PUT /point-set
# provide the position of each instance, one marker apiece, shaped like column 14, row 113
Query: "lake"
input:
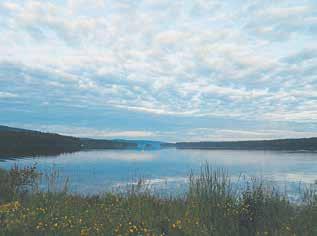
column 167, row 170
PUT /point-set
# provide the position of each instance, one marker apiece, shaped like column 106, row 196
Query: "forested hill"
column 16, row 142
column 21, row 142
column 307, row 144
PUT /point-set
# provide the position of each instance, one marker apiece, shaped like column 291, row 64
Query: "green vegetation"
column 307, row 144
column 210, row 207
column 16, row 142
column 22, row 143
column 31, row 143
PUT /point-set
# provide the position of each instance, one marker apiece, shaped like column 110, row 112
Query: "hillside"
column 20, row 142
column 307, row 144
column 89, row 144
column 16, row 142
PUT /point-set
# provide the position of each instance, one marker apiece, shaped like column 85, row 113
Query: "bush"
column 16, row 183
column 212, row 206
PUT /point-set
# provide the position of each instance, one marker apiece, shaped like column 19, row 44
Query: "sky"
column 181, row 70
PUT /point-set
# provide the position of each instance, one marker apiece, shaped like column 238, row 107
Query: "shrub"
column 16, row 183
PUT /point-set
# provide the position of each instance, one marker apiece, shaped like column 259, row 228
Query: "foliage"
column 17, row 183
column 211, row 207
column 20, row 142
column 307, row 144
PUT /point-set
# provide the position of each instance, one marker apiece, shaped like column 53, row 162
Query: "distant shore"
column 16, row 142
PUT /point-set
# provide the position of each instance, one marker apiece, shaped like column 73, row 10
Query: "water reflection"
column 168, row 169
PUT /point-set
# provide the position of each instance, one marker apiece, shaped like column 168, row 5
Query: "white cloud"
column 231, row 135
column 285, row 12
column 247, row 60
column 7, row 95
column 10, row 6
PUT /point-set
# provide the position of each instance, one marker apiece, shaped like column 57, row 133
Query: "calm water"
column 168, row 169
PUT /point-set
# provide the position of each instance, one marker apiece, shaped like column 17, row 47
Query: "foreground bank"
column 211, row 207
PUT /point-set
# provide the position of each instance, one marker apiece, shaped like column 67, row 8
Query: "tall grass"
column 212, row 206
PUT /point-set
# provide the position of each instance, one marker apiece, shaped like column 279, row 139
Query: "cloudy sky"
column 159, row 69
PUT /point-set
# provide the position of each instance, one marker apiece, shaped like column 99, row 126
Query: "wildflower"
column 39, row 225
column 84, row 232
column 10, row 206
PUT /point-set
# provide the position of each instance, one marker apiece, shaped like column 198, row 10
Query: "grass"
column 210, row 207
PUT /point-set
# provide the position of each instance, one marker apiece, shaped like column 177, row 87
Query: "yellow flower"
column 84, row 232
column 10, row 206
column 17, row 205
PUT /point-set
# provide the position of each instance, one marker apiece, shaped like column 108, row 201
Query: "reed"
column 211, row 206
